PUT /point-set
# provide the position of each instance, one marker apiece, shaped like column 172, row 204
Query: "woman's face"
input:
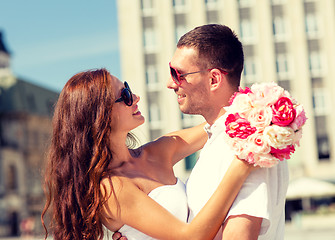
column 125, row 118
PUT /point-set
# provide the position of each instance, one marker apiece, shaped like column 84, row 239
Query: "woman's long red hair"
column 79, row 156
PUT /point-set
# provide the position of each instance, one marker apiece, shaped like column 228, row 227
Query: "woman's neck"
column 121, row 153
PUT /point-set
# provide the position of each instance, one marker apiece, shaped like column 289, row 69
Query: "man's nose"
column 171, row 84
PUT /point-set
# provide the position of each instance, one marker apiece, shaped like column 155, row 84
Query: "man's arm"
column 241, row 227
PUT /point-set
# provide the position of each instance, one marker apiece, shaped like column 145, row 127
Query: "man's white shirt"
column 262, row 194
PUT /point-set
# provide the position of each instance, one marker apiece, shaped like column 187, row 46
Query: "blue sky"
column 52, row 40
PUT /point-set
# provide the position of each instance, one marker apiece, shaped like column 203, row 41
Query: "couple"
column 93, row 179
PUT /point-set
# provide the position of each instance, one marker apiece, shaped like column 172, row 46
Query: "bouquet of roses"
column 264, row 124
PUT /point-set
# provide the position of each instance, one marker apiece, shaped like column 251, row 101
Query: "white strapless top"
column 172, row 198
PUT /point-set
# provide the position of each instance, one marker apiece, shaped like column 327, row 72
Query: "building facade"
column 290, row 42
column 25, row 130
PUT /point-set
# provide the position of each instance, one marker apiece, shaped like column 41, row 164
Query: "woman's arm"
column 139, row 211
column 178, row 144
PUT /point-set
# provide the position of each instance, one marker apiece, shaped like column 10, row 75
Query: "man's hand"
column 118, row 236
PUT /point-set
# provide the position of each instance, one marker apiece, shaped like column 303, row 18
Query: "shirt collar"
column 216, row 127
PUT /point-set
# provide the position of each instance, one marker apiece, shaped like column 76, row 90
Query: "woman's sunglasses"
column 176, row 75
column 126, row 95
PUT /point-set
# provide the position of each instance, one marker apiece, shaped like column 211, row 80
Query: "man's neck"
column 219, row 101
column 212, row 119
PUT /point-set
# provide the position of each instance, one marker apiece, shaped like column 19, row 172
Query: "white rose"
column 242, row 103
column 279, row 137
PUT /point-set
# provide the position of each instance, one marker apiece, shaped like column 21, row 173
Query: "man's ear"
column 216, row 79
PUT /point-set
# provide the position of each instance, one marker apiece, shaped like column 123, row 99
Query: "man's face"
column 193, row 90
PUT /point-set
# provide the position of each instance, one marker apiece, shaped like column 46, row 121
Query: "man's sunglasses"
column 126, row 95
column 176, row 75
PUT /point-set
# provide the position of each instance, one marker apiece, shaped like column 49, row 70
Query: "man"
column 205, row 72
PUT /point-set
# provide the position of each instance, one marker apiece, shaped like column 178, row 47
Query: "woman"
column 93, row 179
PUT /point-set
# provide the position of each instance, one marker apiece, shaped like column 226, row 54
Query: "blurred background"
column 42, row 44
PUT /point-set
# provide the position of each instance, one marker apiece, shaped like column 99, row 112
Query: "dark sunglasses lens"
column 126, row 85
column 174, row 75
column 127, row 97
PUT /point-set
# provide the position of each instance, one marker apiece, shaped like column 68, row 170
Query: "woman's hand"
column 118, row 236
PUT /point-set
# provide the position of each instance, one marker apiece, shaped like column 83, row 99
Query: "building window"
column 179, row 3
column 12, row 178
column 250, row 71
column 320, row 102
column 154, row 116
column 245, row 3
column 4, row 62
column 31, row 102
column 211, row 1
column 2, row 178
column 151, row 76
column 315, row 64
column 211, row 4
column 50, row 106
column 147, row 5
column 14, row 224
column 282, row 66
column 312, row 25
column 247, row 31
column 274, row 2
column 286, row 84
column 279, row 29
column 212, row 16
column 179, row 6
column 323, row 148
column 180, row 31
column 149, row 40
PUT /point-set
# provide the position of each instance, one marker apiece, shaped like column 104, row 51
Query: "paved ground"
column 325, row 234
column 313, row 227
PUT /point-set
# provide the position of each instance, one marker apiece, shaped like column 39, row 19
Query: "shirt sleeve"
column 253, row 198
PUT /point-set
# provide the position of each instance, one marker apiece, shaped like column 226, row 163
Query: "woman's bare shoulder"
column 116, row 184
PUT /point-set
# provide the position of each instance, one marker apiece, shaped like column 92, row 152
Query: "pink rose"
column 283, row 112
column 238, row 127
column 265, row 160
column 250, row 158
column 257, row 144
column 240, row 91
column 284, row 153
column 238, row 146
column 300, row 118
column 297, row 137
column 260, row 117
column 245, row 91
column 265, row 94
